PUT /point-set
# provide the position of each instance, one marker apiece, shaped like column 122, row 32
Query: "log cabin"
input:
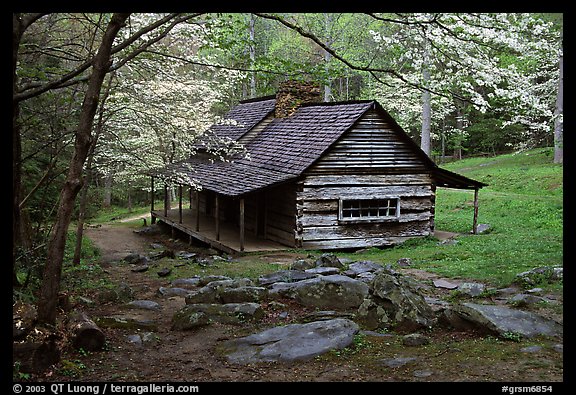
column 318, row 175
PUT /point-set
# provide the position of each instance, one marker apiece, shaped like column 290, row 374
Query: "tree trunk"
column 48, row 299
column 88, row 179
column 108, row 190
column 559, row 112
column 426, row 104
column 426, row 115
column 85, row 333
column 328, row 20
column 252, row 57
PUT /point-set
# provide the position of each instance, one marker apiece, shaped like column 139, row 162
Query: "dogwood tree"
column 472, row 59
column 161, row 103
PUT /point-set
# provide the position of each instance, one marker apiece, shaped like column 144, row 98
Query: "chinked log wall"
column 369, row 162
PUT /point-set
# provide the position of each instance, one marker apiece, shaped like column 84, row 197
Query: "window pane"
column 369, row 208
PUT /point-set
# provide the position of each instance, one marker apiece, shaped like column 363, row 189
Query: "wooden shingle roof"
column 244, row 116
column 285, row 147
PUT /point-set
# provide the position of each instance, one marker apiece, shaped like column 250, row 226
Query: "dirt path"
column 190, row 356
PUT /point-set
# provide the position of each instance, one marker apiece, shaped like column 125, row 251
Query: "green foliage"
column 71, row 368
column 86, row 275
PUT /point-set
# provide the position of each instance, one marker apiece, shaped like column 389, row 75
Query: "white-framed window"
column 369, row 209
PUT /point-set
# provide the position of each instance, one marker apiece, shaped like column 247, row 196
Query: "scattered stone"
column 503, row 320
column 441, row 283
column 156, row 246
column 185, row 255
column 164, row 254
column 531, row 349
column 357, row 268
column 185, row 282
column 135, row 339
column 415, row 339
column 302, row 264
column 423, row 373
column 286, row 276
column 230, row 313
column 398, row 362
column 534, row 291
column 558, row 347
column 140, row 269
column 329, row 260
column 208, row 279
column 538, row 275
column 134, row 259
column 448, row 242
column 521, row 300
column 164, row 272
column 164, row 291
column 152, row 229
column 482, row 228
column 323, row 271
column 123, row 293
column 85, row 301
column 243, row 294
column 144, row 305
column 186, row 320
column 404, row 262
column 290, row 343
column 203, row 295
column 283, row 315
column 471, row 289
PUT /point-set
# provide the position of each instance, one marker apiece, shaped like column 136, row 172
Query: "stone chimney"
column 292, row 94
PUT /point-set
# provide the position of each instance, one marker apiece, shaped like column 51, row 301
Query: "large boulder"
column 286, row 276
column 395, row 301
column 327, row 292
column 290, row 343
column 503, row 321
column 357, row 268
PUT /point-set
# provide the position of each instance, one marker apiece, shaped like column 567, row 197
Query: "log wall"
column 369, row 162
column 281, row 214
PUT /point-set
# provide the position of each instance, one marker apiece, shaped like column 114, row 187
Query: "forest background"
column 99, row 99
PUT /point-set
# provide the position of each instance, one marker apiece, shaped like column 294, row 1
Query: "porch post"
column 180, row 203
column 166, row 200
column 153, row 220
column 475, row 221
column 241, row 224
column 190, row 197
column 197, row 203
column 217, row 216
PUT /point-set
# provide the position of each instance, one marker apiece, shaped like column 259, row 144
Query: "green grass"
column 523, row 205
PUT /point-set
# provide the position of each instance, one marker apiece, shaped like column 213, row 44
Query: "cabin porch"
column 224, row 236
